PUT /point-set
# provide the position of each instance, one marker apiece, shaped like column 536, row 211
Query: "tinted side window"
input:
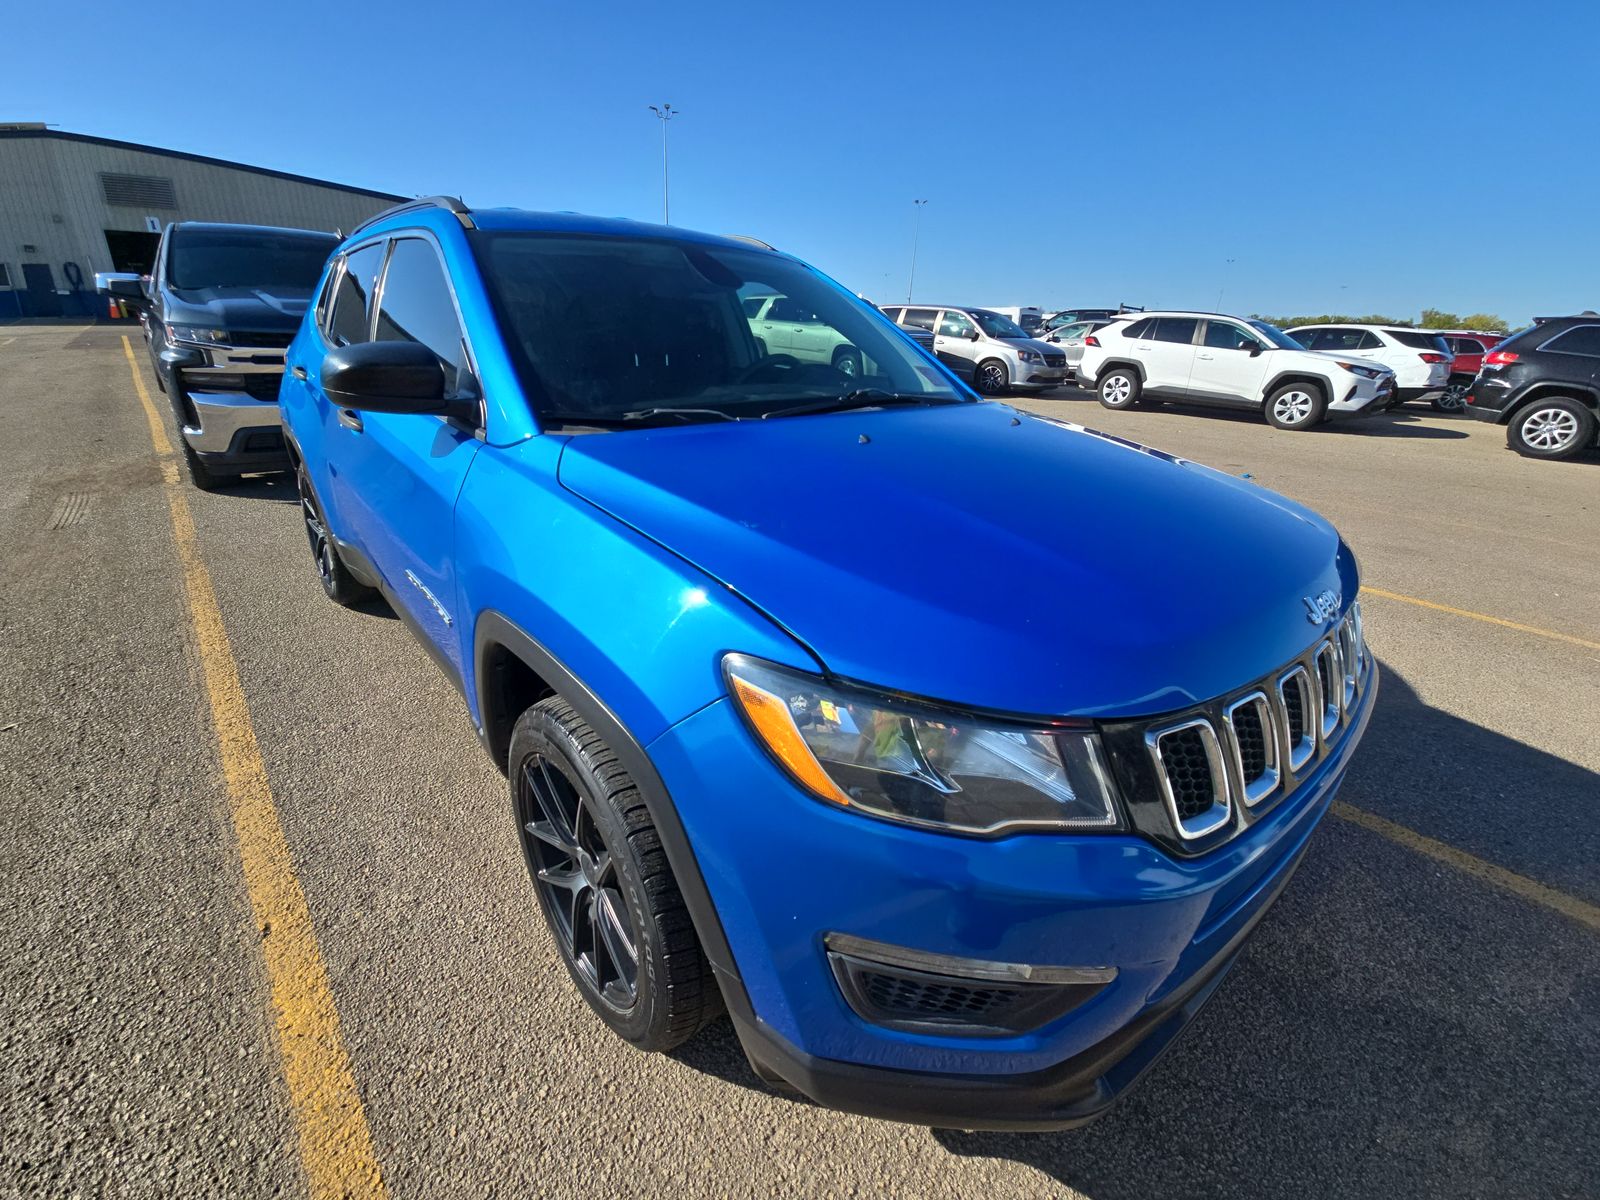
column 1175, row 329
column 1369, row 341
column 893, row 314
column 1309, row 338
column 920, row 318
column 416, row 305
column 1224, row 335
column 347, row 322
column 791, row 311
column 1418, row 340
column 1580, row 339
column 1140, row 329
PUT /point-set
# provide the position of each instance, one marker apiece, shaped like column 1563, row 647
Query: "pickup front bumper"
column 226, row 399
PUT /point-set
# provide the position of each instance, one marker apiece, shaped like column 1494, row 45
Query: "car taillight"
column 1091, row 340
column 1434, row 358
column 1500, row 358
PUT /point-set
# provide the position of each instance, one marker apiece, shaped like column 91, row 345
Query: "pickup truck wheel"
column 199, row 474
column 1555, row 427
column 341, row 586
column 1296, row 406
column 1119, row 389
column 603, row 882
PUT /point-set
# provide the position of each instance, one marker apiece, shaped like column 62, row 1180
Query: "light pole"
column 666, row 112
column 916, row 232
column 1226, row 263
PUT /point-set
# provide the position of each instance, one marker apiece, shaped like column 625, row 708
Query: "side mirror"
column 122, row 285
column 972, row 335
column 1255, row 349
column 391, row 377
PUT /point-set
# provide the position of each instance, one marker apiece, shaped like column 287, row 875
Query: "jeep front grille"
column 1212, row 770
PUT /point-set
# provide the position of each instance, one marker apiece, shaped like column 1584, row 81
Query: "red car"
column 1469, row 346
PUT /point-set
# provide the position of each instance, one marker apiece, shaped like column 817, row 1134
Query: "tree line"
column 1432, row 318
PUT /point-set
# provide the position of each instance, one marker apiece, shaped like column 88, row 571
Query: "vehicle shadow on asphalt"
column 1395, row 1027
column 279, row 488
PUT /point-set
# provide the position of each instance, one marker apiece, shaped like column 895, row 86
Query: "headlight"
column 197, row 336
column 1362, row 370
column 1028, row 356
column 918, row 765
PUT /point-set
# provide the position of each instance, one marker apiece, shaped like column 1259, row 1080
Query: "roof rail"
column 449, row 203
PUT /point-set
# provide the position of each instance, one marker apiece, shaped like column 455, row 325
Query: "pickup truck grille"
column 1214, row 770
column 277, row 340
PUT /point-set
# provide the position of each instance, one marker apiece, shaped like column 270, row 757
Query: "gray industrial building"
column 71, row 205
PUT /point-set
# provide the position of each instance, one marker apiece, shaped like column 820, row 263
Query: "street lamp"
column 666, row 112
column 916, row 232
column 1226, row 263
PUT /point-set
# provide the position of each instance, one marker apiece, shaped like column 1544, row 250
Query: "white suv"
column 1419, row 358
column 1208, row 358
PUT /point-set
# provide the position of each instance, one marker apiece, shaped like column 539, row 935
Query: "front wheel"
column 1296, row 406
column 992, row 378
column 341, row 586
column 1556, row 427
column 603, row 881
column 847, row 361
column 1119, row 389
column 199, row 474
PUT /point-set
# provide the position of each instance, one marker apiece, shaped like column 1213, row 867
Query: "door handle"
column 298, row 372
column 351, row 420
column 1207, row 357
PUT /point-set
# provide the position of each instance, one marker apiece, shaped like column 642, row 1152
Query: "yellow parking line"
column 1568, row 906
column 1477, row 616
column 335, row 1142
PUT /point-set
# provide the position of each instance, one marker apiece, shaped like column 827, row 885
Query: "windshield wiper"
column 860, row 398
column 644, row 414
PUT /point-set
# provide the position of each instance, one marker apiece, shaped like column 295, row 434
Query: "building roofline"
column 90, row 139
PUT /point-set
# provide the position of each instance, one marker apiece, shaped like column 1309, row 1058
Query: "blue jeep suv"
column 819, row 698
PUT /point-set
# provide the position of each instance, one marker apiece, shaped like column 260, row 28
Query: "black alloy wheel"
column 579, row 886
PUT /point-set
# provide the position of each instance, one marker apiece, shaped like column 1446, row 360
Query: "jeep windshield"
column 268, row 262
column 612, row 332
column 997, row 326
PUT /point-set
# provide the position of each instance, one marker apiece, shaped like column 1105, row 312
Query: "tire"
column 847, row 361
column 1552, row 427
column 1452, row 400
column 1296, row 406
column 199, row 474
column 1119, row 389
column 604, row 884
column 991, row 378
column 341, row 586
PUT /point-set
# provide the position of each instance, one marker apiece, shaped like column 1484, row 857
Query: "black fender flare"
column 494, row 629
column 1293, row 375
column 1112, row 364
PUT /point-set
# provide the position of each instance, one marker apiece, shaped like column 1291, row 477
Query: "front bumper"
column 1033, row 375
column 222, row 416
column 784, row 871
column 229, row 405
column 1364, row 398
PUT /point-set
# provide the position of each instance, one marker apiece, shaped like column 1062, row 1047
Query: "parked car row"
column 778, row 759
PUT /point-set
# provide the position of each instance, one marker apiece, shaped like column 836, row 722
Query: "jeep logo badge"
column 1324, row 606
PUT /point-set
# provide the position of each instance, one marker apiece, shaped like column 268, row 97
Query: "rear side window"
column 1580, row 339
column 921, row 318
column 1418, row 340
column 348, row 320
column 415, row 306
column 1175, row 329
column 1140, row 329
column 1465, row 345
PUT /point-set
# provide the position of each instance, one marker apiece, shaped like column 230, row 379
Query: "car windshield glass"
column 206, row 258
column 614, row 329
column 995, row 325
column 1275, row 336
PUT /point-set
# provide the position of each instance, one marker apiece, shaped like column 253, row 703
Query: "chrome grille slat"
column 1298, row 712
column 1328, row 676
column 1172, row 749
column 1255, row 786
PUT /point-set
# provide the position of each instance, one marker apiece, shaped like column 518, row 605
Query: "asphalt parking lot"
column 1419, row 1015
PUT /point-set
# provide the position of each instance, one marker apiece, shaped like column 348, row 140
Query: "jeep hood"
column 984, row 557
column 238, row 308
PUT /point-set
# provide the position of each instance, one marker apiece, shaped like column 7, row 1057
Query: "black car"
column 221, row 307
column 1543, row 384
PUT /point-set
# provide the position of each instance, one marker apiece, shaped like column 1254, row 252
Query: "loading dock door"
column 134, row 252
column 40, row 299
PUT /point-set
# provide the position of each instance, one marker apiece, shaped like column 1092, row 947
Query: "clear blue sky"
column 1349, row 156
